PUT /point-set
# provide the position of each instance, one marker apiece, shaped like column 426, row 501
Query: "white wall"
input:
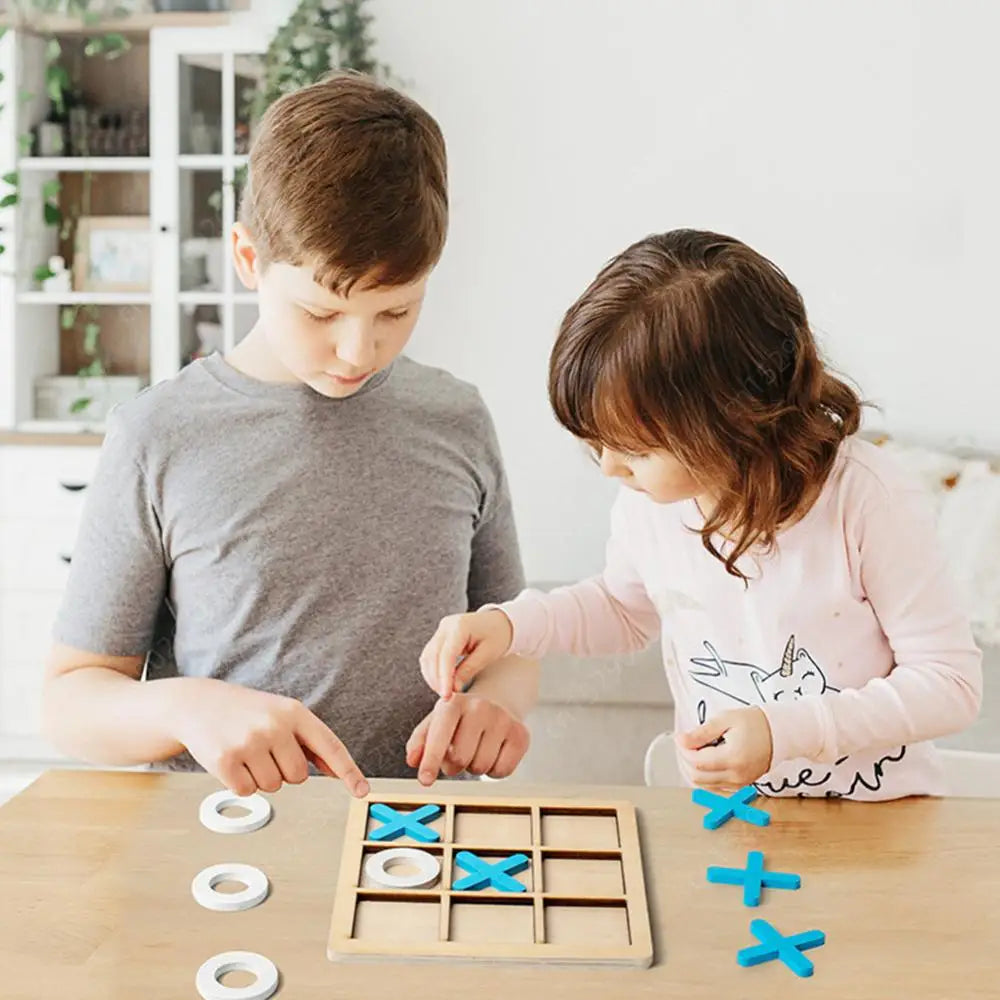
column 853, row 142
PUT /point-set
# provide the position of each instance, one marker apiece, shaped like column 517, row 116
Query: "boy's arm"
column 93, row 705
column 95, row 709
column 935, row 686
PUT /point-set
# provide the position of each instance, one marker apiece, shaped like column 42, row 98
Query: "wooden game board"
column 585, row 901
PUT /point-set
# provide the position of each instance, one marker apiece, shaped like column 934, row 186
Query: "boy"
column 270, row 534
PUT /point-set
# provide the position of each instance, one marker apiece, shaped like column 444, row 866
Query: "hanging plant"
column 320, row 36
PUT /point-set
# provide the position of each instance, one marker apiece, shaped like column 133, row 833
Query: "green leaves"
column 42, row 273
column 67, row 317
column 319, row 36
column 57, row 84
column 91, row 334
column 12, row 179
column 81, row 404
column 111, row 45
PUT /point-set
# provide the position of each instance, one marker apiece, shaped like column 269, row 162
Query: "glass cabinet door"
column 200, row 172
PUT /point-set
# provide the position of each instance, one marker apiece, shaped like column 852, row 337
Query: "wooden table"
column 95, row 900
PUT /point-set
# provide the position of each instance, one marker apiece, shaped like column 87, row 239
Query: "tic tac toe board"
column 583, row 900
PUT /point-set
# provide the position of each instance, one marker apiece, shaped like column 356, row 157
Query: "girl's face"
column 656, row 473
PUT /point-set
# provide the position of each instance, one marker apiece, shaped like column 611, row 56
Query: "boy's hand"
column 467, row 733
column 743, row 753
column 477, row 640
column 253, row 740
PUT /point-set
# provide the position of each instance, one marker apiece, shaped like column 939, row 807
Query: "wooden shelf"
column 138, row 24
column 96, row 164
column 85, row 298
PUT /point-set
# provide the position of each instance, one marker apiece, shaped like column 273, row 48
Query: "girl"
column 812, row 642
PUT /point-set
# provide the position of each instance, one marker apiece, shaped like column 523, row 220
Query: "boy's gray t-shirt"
column 269, row 536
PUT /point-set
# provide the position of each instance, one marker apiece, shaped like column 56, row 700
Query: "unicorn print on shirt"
column 748, row 684
column 797, row 676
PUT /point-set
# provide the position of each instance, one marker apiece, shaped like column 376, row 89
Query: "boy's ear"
column 245, row 258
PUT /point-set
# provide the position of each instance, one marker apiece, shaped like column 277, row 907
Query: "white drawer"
column 34, row 555
column 26, row 620
column 21, row 698
column 45, row 482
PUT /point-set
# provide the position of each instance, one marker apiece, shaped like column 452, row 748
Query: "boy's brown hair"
column 350, row 175
column 692, row 342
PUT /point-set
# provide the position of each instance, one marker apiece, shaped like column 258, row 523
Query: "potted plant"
column 319, row 36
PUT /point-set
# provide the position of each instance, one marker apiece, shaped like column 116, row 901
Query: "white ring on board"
column 207, row 979
column 428, row 868
column 211, row 816
column 204, row 891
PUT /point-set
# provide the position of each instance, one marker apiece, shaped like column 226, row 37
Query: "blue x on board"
column 753, row 878
column 774, row 945
column 722, row 808
column 396, row 824
column 484, row 874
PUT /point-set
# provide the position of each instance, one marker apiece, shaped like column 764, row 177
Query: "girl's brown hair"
column 693, row 343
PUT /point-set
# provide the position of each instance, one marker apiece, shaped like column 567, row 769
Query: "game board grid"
column 447, row 848
column 536, row 896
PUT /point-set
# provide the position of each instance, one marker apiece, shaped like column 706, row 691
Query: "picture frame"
column 113, row 253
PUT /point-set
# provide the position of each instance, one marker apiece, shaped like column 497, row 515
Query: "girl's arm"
column 607, row 614
column 935, row 687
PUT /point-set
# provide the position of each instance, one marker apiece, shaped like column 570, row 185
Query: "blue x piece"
column 722, row 808
column 396, row 824
column 753, row 878
column 486, row 874
column 774, row 945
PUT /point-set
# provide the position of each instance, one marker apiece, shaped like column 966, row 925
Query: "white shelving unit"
column 186, row 187
column 196, row 150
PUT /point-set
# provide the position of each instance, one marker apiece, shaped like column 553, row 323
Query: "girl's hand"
column 476, row 639
column 731, row 750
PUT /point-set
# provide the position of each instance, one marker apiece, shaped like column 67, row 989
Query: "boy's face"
column 332, row 343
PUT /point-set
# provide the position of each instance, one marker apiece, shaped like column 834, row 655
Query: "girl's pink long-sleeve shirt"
column 849, row 636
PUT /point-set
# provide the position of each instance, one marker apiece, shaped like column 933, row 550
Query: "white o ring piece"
column 428, row 868
column 211, row 816
column 264, row 969
column 204, row 891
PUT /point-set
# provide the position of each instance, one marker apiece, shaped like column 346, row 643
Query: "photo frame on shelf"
column 113, row 254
